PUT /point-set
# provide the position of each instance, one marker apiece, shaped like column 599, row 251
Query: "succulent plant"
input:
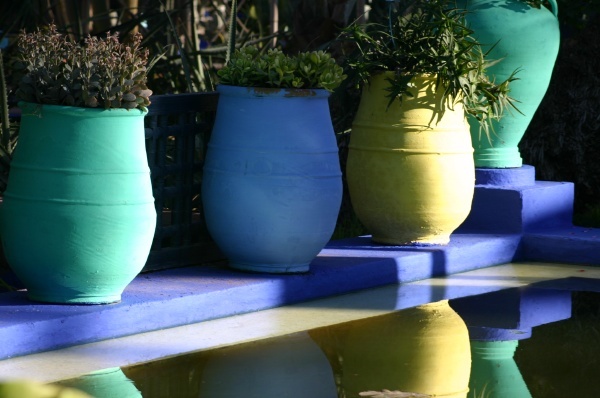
column 248, row 67
column 103, row 72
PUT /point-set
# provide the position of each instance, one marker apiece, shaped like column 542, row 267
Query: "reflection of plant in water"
column 392, row 394
column 399, row 394
column 5, row 286
column 483, row 394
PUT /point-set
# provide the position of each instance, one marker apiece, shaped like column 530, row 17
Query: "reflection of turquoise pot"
column 272, row 183
column 528, row 38
column 494, row 372
column 78, row 215
column 106, row 383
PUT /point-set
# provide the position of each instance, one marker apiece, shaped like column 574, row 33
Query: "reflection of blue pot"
column 291, row 366
column 272, row 181
column 106, row 383
column 526, row 38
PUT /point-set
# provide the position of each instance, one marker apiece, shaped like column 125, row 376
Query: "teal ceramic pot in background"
column 527, row 38
column 78, row 214
column 272, row 183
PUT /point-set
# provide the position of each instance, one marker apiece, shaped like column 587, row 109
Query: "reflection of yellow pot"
column 422, row 350
column 410, row 167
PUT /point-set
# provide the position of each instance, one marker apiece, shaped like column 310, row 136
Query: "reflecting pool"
column 542, row 340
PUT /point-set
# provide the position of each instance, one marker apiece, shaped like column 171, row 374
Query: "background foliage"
column 561, row 141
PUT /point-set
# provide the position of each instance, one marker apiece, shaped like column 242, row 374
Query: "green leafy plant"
column 429, row 37
column 103, row 73
column 248, row 67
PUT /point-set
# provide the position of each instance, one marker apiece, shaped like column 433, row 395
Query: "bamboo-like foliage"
column 7, row 141
column 430, row 37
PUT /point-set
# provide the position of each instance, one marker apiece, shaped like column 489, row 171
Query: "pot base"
column 75, row 299
column 437, row 240
column 497, row 157
column 271, row 268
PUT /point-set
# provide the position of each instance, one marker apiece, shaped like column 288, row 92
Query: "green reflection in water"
column 106, row 383
column 495, row 373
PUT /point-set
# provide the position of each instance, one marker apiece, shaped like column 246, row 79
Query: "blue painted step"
column 512, row 201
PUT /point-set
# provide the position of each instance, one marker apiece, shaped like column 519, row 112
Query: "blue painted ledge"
column 575, row 245
column 182, row 296
column 186, row 295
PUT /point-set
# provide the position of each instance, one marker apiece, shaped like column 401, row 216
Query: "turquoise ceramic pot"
column 272, row 183
column 78, row 215
column 526, row 38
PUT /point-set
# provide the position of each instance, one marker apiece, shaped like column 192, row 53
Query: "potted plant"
column 526, row 35
column 410, row 168
column 78, row 214
column 272, row 185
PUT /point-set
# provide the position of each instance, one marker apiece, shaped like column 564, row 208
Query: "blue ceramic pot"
column 525, row 38
column 272, row 183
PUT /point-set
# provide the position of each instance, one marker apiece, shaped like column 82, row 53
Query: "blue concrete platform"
column 526, row 220
column 187, row 295
column 576, row 245
column 518, row 204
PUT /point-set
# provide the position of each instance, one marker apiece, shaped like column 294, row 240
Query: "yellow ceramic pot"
column 410, row 167
column 421, row 350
